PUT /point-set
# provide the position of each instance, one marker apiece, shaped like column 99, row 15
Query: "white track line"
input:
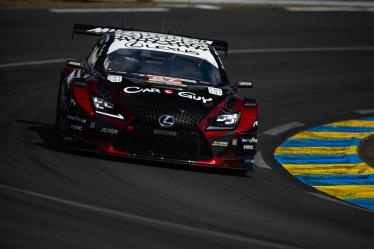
column 233, row 51
column 150, row 221
column 280, row 2
column 107, row 10
column 366, row 111
column 207, row 7
column 30, row 63
column 292, row 50
column 282, row 128
column 260, row 162
column 327, row 198
column 329, row 9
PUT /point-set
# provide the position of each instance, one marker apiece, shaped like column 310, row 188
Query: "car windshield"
column 140, row 61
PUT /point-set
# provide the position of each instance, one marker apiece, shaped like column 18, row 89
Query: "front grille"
column 184, row 120
column 168, row 147
column 183, row 141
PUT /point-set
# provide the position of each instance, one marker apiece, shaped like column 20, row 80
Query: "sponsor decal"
column 235, row 142
column 166, row 133
column 162, row 79
column 77, row 119
column 189, row 95
column 249, row 140
column 137, row 39
column 115, row 78
column 169, row 91
column 166, row 121
column 249, row 160
column 145, row 40
column 168, row 81
column 163, row 42
column 193, row 96
column 76, row 127
column 109, row 130
column 215, row 91
column 246, row 84
column 248, row 147
column 220, row 143
column 70, row 139
column 136, row 89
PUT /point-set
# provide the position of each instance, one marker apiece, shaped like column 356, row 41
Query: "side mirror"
column 244, row 84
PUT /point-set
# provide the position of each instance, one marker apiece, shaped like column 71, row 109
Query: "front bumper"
column 102, row 135
column 143, row 138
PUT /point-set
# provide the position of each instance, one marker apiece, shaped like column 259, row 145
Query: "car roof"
column 124, row 39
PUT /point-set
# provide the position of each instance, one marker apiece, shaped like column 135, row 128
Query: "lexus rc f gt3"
column 156, row 96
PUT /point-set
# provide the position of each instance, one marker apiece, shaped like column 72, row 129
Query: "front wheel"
column 61, row 113
column 249, row 163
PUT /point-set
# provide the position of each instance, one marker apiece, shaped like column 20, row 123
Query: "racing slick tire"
column 60, row 117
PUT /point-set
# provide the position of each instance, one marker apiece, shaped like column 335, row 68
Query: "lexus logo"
column 166, row 121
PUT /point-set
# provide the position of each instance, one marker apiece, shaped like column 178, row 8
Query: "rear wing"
column 95, row 30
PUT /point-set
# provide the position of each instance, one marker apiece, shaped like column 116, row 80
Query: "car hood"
column 193, row 99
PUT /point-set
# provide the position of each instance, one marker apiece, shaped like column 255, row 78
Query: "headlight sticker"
column 115, row 78
column 215, row 91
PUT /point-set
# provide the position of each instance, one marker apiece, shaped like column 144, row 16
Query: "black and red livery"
column 150, row 115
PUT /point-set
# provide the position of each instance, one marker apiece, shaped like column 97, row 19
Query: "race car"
column 156, row 96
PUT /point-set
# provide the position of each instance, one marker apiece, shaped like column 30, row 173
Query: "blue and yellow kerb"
column 326, row 158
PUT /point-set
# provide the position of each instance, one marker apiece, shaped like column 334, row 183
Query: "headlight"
column 225, row 122
column 105, row 107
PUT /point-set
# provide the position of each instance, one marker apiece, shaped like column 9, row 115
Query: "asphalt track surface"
column 53, row 199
